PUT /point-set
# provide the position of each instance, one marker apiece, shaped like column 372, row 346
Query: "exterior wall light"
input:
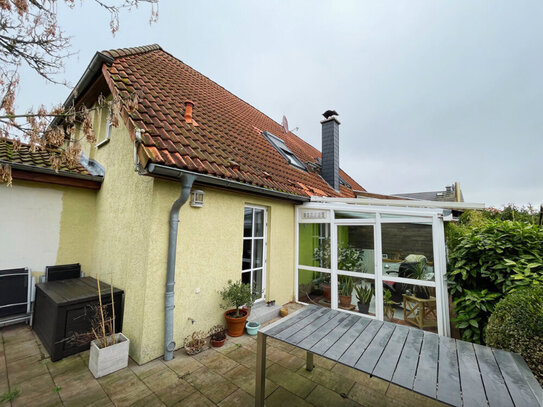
column 197, row 199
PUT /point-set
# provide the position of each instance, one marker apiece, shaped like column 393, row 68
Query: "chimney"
column 189, row 104
column 330, row 148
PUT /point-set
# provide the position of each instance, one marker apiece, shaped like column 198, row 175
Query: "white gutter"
column 400, row 202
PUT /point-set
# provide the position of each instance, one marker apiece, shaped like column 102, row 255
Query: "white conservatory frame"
column 324, row 212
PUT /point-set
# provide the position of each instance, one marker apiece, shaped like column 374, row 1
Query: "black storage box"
column 64, row 307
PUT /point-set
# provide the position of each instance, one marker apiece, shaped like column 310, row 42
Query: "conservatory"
column 385, row 262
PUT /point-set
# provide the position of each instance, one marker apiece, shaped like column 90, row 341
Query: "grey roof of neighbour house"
column 446, row 195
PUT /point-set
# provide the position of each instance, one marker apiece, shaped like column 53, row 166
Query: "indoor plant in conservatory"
column 235, row 295
column 364, row 294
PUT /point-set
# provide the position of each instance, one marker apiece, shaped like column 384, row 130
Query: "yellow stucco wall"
column 130, row 240
column 77, row 227
column 209, row 253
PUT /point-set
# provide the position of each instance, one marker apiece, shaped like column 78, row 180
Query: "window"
column 253, row 265
column 284, row 150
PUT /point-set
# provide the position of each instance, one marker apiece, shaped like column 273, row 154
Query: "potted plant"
column 217, row 335
column 236, row 294
column 252, row 327
column 194, row 343
column 419, row 273
column 389, row 305
column 108, row 350
column 364, row 294
column 345, row 291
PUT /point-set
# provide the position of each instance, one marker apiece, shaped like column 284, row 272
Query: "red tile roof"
column 227, row 142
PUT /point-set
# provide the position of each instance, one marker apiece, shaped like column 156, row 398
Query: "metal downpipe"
column 169, row 305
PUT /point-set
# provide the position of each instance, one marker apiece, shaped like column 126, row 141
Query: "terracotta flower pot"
column 234, row 325
column 327, row 291
column 217, row 344
column 344, row 300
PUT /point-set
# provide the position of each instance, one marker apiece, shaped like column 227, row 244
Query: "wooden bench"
column 451, row 371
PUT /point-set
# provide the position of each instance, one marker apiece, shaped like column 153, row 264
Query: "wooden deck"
column 448, row 370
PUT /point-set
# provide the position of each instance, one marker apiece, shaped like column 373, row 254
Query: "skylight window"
column 284, row 150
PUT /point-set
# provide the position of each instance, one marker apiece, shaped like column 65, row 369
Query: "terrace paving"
column 216, row 377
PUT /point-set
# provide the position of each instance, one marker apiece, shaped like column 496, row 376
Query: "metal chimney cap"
column 330, row 113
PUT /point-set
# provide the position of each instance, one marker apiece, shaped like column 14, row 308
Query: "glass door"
column 253, row 266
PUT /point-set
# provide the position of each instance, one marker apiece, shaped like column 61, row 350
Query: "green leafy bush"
column 486, row 262
column 517, row 325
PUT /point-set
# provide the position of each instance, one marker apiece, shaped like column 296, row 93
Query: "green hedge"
column 487, row 261
column 517, row 325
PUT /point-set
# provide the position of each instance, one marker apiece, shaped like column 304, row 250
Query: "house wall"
column 122, row 222
column 130, row 242
column 42, row 222
column 209, row 253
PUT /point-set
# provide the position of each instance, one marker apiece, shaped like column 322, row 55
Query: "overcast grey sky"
column 428, row 92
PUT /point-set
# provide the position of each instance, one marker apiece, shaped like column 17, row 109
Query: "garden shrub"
column 487, row 261
column 517, row 325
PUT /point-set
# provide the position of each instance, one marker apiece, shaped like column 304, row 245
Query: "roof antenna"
column 284, row 123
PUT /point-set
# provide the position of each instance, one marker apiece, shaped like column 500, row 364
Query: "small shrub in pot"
column 236, row 294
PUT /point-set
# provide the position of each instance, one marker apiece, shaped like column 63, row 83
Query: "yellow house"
column 187, row 148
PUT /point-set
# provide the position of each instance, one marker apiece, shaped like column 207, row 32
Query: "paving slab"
column 324, row 397
column 38, row 392
column 289, row 380
column 210, row 384
column 216, row 361
column 182, row 364
column 124, row 388
column 196, row 399
column 148, row 369
column 239, row 398
column 326, row 378
column 25, row 369
column 244, row 378
column 283, row 398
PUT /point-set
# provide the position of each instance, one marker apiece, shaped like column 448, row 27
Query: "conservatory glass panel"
column 314, row 287
column 354, row 215
column 356, row 251
column 402, row 306
column 356, row 294
column 408, row 251
column 314, row 245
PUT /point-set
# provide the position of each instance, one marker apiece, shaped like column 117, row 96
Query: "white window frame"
column 264, row 238
column 325, row 213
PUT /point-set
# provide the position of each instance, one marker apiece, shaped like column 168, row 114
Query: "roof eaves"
column 49, row 171
column 176, row 173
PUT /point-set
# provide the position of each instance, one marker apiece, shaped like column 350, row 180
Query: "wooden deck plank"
column 375, row 349
column 529, row 376
column 496, row 390
column 448, row 376
column 404, row 375
column 391, row 354
column 301, row 323
column 359, row 345
column 426, row 376
column 323, row 345
column 473, row 393
column 309, row 329
column 290, row 320
column 520, row 391
column 333, row 324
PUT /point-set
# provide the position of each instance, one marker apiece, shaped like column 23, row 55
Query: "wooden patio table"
column 451, row 371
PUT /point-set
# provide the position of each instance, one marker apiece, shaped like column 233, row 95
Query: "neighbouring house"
column 452, row 193
column 254, row 202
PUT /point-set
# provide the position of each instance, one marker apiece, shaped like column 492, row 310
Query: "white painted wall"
column 29, row 226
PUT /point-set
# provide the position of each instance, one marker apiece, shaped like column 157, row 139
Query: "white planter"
column 103, row 361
